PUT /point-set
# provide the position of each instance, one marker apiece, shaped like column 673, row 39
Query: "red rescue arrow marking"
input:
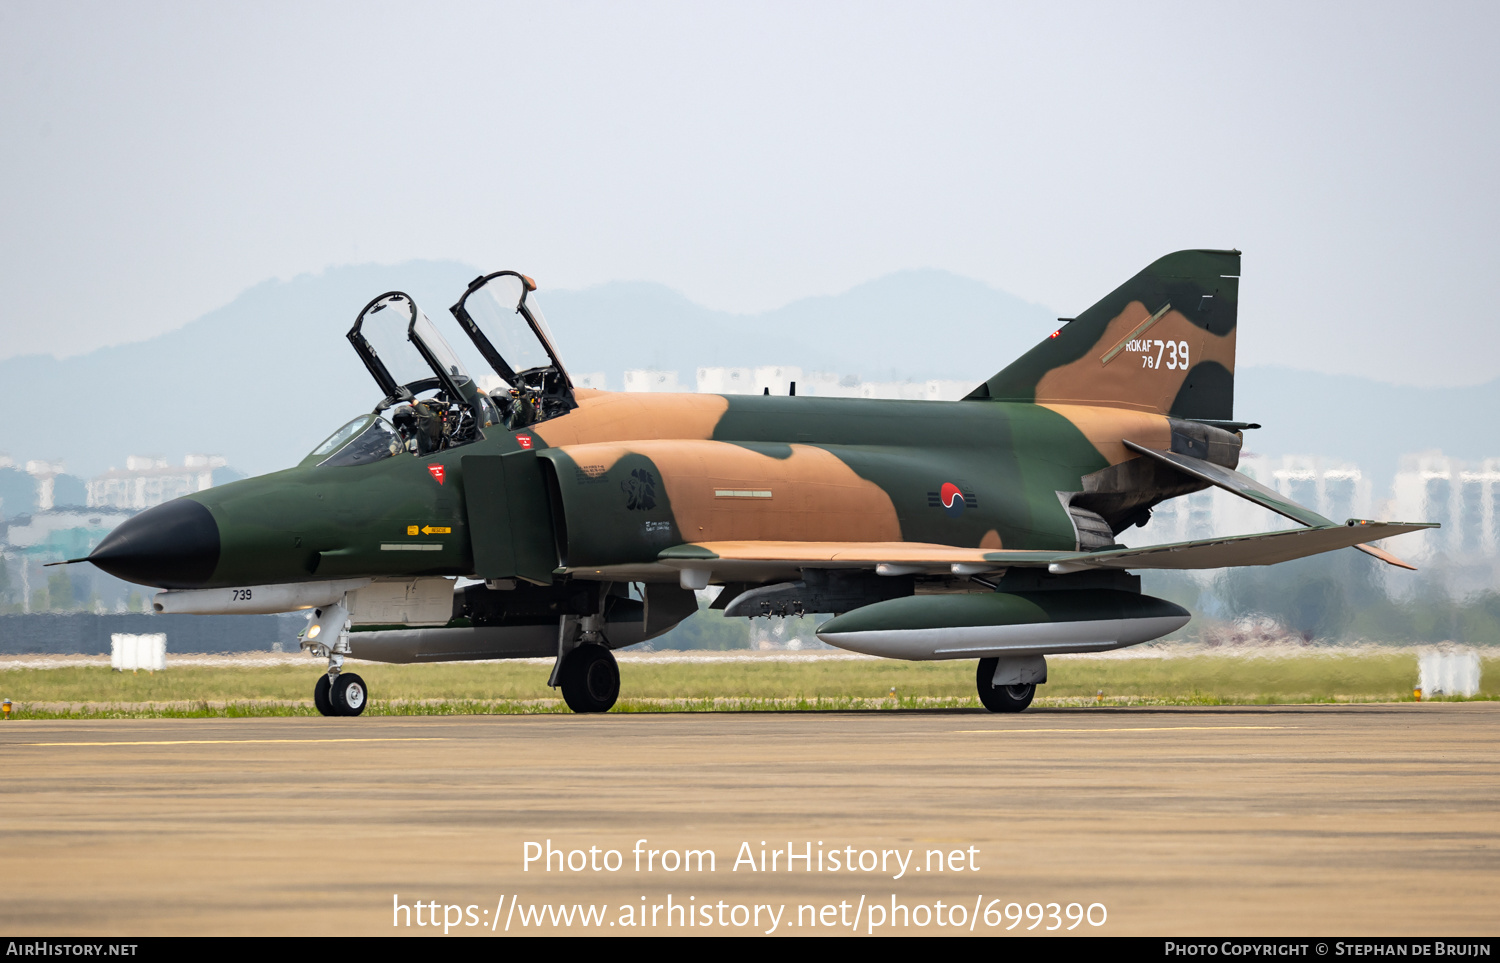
column 436, row 471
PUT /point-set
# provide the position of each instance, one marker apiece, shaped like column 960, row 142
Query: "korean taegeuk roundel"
column 952, row 499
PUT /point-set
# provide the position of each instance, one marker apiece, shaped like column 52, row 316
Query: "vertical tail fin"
column 1161, row 342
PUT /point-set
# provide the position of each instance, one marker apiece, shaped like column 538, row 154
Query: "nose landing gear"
column 348, row 695
column 340, row 693
column 337, row 693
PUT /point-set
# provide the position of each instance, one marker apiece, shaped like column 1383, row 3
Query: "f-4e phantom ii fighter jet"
column 539, row 519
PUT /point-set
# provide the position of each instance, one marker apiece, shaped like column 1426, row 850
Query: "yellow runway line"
column 222, row 742
column 1131, row 729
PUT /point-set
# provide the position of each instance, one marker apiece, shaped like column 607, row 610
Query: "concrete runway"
column 1353, row 820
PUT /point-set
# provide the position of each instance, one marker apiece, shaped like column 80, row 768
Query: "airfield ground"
column 281, row 684
column 1352, row 819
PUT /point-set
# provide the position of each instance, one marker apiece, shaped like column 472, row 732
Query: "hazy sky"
column 159, row 158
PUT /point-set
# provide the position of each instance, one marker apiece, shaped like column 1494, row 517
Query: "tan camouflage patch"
column 1105, row 428
column 720, row 491
column 865, row 554
column 1146, row 373
column 603, row 416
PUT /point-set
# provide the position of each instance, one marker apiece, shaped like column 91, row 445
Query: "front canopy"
column 407, row 356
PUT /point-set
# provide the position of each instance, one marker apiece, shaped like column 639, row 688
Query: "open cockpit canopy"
column 501, row 316
column 437, row 404
column 405, row 353
column 408, row 357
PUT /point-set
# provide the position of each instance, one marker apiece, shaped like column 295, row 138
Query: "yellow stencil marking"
column 1131, row 729
column 231, row 742
column 411, row 529
column 433, row 530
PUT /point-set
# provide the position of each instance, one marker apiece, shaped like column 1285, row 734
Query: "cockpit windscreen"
column 366, row 439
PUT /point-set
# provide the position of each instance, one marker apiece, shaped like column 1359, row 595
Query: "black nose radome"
column 174, row 545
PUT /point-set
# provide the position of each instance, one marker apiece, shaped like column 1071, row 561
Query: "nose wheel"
column 590, row 679
column 343, row 695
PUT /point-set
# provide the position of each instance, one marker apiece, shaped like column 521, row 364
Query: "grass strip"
column 96, row 692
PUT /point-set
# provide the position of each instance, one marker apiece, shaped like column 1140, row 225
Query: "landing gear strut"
column 1006, row 697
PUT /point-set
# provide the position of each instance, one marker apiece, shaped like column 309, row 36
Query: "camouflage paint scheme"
column 841, row 470
column 1032, row 468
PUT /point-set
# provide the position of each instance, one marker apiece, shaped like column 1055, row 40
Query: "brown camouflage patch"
column 1145, row 373
column 865, row 554
column 723, row 491
column 603, row 416
column 1105, row 428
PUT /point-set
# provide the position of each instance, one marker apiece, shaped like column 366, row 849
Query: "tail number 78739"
column 1171, row 355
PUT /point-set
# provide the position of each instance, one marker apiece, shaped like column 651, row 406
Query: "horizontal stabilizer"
column 1252, row 490
column 1236, row 483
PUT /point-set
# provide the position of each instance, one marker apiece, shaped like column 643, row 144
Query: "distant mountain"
column 263, row 379
column 912, row 324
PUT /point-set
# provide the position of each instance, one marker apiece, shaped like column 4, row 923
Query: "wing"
column 756, row 561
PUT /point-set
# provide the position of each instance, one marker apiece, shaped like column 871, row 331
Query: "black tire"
column 349, row 695
column 1001, row 698
column 320, row 696
column 590, row 679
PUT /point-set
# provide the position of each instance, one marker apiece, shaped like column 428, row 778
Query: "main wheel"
column 590, row 679
column 1001, row 698
column 320, row 696
column 348, row 695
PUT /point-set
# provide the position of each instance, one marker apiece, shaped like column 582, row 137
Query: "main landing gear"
column 585, row 670
column 1017, row 680
column 590, row 679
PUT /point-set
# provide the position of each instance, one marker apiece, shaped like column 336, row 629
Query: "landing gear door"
column 510, row 517
column 501, row 315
